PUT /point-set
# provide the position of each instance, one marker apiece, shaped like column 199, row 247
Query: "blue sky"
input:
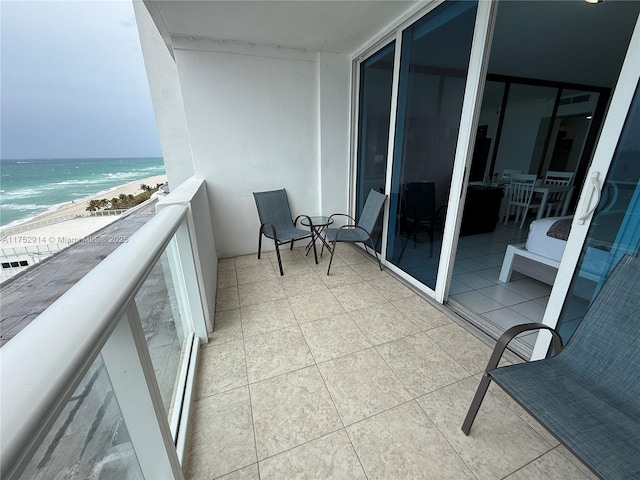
column 73, row 82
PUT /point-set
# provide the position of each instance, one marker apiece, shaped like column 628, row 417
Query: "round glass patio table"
column 317, row 226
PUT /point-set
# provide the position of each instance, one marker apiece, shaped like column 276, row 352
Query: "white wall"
column 167, row 101
column 255, row 123
column 334, row 80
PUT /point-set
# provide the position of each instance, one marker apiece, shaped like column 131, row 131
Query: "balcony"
column 352, row 375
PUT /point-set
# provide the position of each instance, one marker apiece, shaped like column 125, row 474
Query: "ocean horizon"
column 31, row 187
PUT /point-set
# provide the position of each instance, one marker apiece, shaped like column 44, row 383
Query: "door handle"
column 595, row 188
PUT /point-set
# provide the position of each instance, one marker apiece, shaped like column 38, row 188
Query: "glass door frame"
column 628, row 81
column 474, row 86
column 356, row 64
column 469, row 119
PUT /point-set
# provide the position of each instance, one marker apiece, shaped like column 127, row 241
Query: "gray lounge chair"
column 359, row 232
column 276, row 222
column 588, row 394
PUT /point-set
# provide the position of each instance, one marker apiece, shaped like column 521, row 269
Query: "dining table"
column 544, row 190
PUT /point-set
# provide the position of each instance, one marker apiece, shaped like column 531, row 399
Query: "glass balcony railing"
column 163, row 327
column 99, row 385
column 90, row 438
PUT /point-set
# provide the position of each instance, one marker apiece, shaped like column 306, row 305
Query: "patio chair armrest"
column 351, row 227
column 511, row 333
column 342, row 215
column 273, row 227
column 295, row 222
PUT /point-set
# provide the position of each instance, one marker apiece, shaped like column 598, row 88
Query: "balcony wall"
column 264, row 118
column 193, row 194
column 247, row 117
column 164, row 87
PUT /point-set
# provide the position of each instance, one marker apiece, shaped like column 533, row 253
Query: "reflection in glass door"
column 433, row 72
column 523, row 128
column 376, row 80
column 614, row 229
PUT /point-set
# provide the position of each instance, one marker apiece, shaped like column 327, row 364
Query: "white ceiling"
column 325, row 25
column 561, row 40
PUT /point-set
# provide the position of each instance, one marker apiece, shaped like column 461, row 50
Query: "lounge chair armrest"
column 511, row 333
column 498, row 350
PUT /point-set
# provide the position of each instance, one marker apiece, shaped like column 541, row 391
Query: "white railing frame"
column 42, row 365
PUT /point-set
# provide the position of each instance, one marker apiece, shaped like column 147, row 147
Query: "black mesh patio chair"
column 276, row 222
column 359, row 232
column 588, row 394
column 420, row 214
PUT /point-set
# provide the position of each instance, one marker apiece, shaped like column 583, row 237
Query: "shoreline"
column 80, row 205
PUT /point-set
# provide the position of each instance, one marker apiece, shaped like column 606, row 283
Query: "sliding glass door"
column 376, row 80
column 433, row 71
column 419, row 114
column 615, row 227
column 607, row 221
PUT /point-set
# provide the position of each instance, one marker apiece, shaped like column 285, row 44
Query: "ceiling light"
column 594, row 1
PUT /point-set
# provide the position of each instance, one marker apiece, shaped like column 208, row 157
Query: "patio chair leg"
column 374, row 253
column 259, row 244
column 279, row 260
column 315, row 251
column 333, row 244
column 475, row 403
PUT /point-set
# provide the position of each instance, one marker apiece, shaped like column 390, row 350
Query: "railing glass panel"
column 105, row 399
column 163, row 325
column 89, row 439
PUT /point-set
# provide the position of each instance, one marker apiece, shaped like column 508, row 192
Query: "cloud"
column 73, row 81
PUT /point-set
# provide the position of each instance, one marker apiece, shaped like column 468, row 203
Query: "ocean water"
column 32, row 187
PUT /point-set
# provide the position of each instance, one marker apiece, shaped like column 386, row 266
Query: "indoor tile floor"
column 349, row 376
column 496, row 306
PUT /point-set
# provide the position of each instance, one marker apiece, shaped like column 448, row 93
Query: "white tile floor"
column 492, row 305
column 350, row 376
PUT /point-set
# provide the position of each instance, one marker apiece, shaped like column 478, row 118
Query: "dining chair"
column 277, row 223
column 556, row 200
column 360, row 231
column 520, row 196
column 507, row 173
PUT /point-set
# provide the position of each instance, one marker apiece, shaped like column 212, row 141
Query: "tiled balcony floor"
column 349, row 376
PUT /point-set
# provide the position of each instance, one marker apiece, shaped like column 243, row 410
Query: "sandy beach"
column 74, row 229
